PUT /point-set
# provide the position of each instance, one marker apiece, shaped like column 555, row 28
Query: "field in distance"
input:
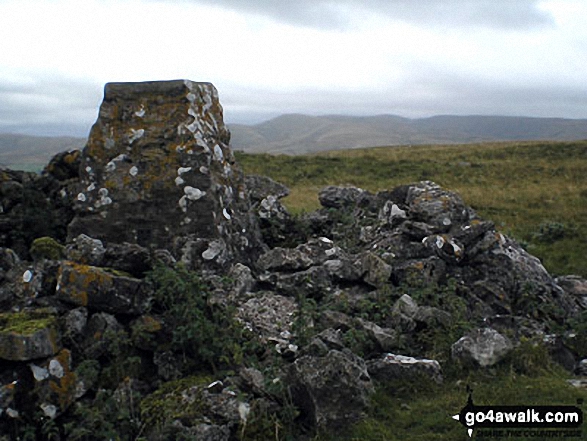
column 534, row 191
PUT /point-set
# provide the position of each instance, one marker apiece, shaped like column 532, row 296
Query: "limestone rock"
column 260, row 187
column 331, row 391
column 392, row 367
column 270, row 316
column 158, row 166
column 128, row 257
column 29, row 335
column 339, row 197
column 100, row 289
column 575, row 286
column 483, row 346
column 86, row 250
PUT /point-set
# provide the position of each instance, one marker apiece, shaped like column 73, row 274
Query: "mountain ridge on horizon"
column 298, row 133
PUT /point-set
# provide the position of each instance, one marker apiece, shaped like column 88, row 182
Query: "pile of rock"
column 334, row 314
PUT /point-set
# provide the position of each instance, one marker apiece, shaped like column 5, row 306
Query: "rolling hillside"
column 33, row 152
column 298, row 134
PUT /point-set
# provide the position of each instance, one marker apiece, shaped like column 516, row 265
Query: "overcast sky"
column 268, row 57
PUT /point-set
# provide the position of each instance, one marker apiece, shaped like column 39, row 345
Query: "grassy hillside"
column 302, row 134
column 534, row 191
column 32, row 153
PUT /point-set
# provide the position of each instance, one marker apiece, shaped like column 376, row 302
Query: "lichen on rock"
column 158, row 166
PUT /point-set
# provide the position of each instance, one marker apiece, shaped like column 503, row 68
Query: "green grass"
column 521, row 186
column 423, row 412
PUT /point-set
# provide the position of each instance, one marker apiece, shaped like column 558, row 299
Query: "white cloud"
column 319, row 56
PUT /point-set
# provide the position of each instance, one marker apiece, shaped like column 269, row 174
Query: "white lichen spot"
column 214, row 249
column 218, row 155
column 49, row 410
column 225, row 213
column 193, row 194
column 12, row 413
column 457, row 249
column 446, row 222
column 195, row 125
column 141, row 112
column 191, row 97
column 88, row 169
column 179, row 181
column 56, row 369
column 135, row 134
column 39, row 373
column 243, row 411
column 182, row 170
column 81, row 197
column 397, row 212
column 204, row 170
column 183, row 204
column 27, row 276
column 439, row 242
column 103, row 192
column 133, row 171
column 110, row 167
column 190, row 152
column 91, row 187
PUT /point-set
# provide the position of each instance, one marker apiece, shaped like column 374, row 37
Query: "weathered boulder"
column 101, row 289
column 312, row 253
column 392, row 367
column 157, row 167
column 208, row 411
column 86, row 250
column 128, row 257
column 339, row 197
column 482, row 346
column 56, row 385
column 270, row 316
column 260, row 187
column 331, row 391
column 29, row 335
column 575, row 286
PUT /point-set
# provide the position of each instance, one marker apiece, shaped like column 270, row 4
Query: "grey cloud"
column 55, row 106
column 504, row 14
column 443, row 93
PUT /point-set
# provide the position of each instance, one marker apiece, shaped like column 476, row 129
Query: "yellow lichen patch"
column 82, row 279
column 64, row 387
column 150, row 324
column 71, row 157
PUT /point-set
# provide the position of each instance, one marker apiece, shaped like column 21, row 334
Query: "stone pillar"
column 157, row 170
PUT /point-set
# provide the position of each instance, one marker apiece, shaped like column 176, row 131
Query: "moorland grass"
column 533, row 191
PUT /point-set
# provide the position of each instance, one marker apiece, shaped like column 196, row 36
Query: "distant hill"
column 33, row 152
column 297, row 134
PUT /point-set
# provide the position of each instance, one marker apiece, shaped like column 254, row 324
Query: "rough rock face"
column 157, row 170
column 333, row 389
column 483, row 346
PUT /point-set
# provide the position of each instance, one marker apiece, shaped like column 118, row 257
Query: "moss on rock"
column 28, row 335
column 47, row 248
